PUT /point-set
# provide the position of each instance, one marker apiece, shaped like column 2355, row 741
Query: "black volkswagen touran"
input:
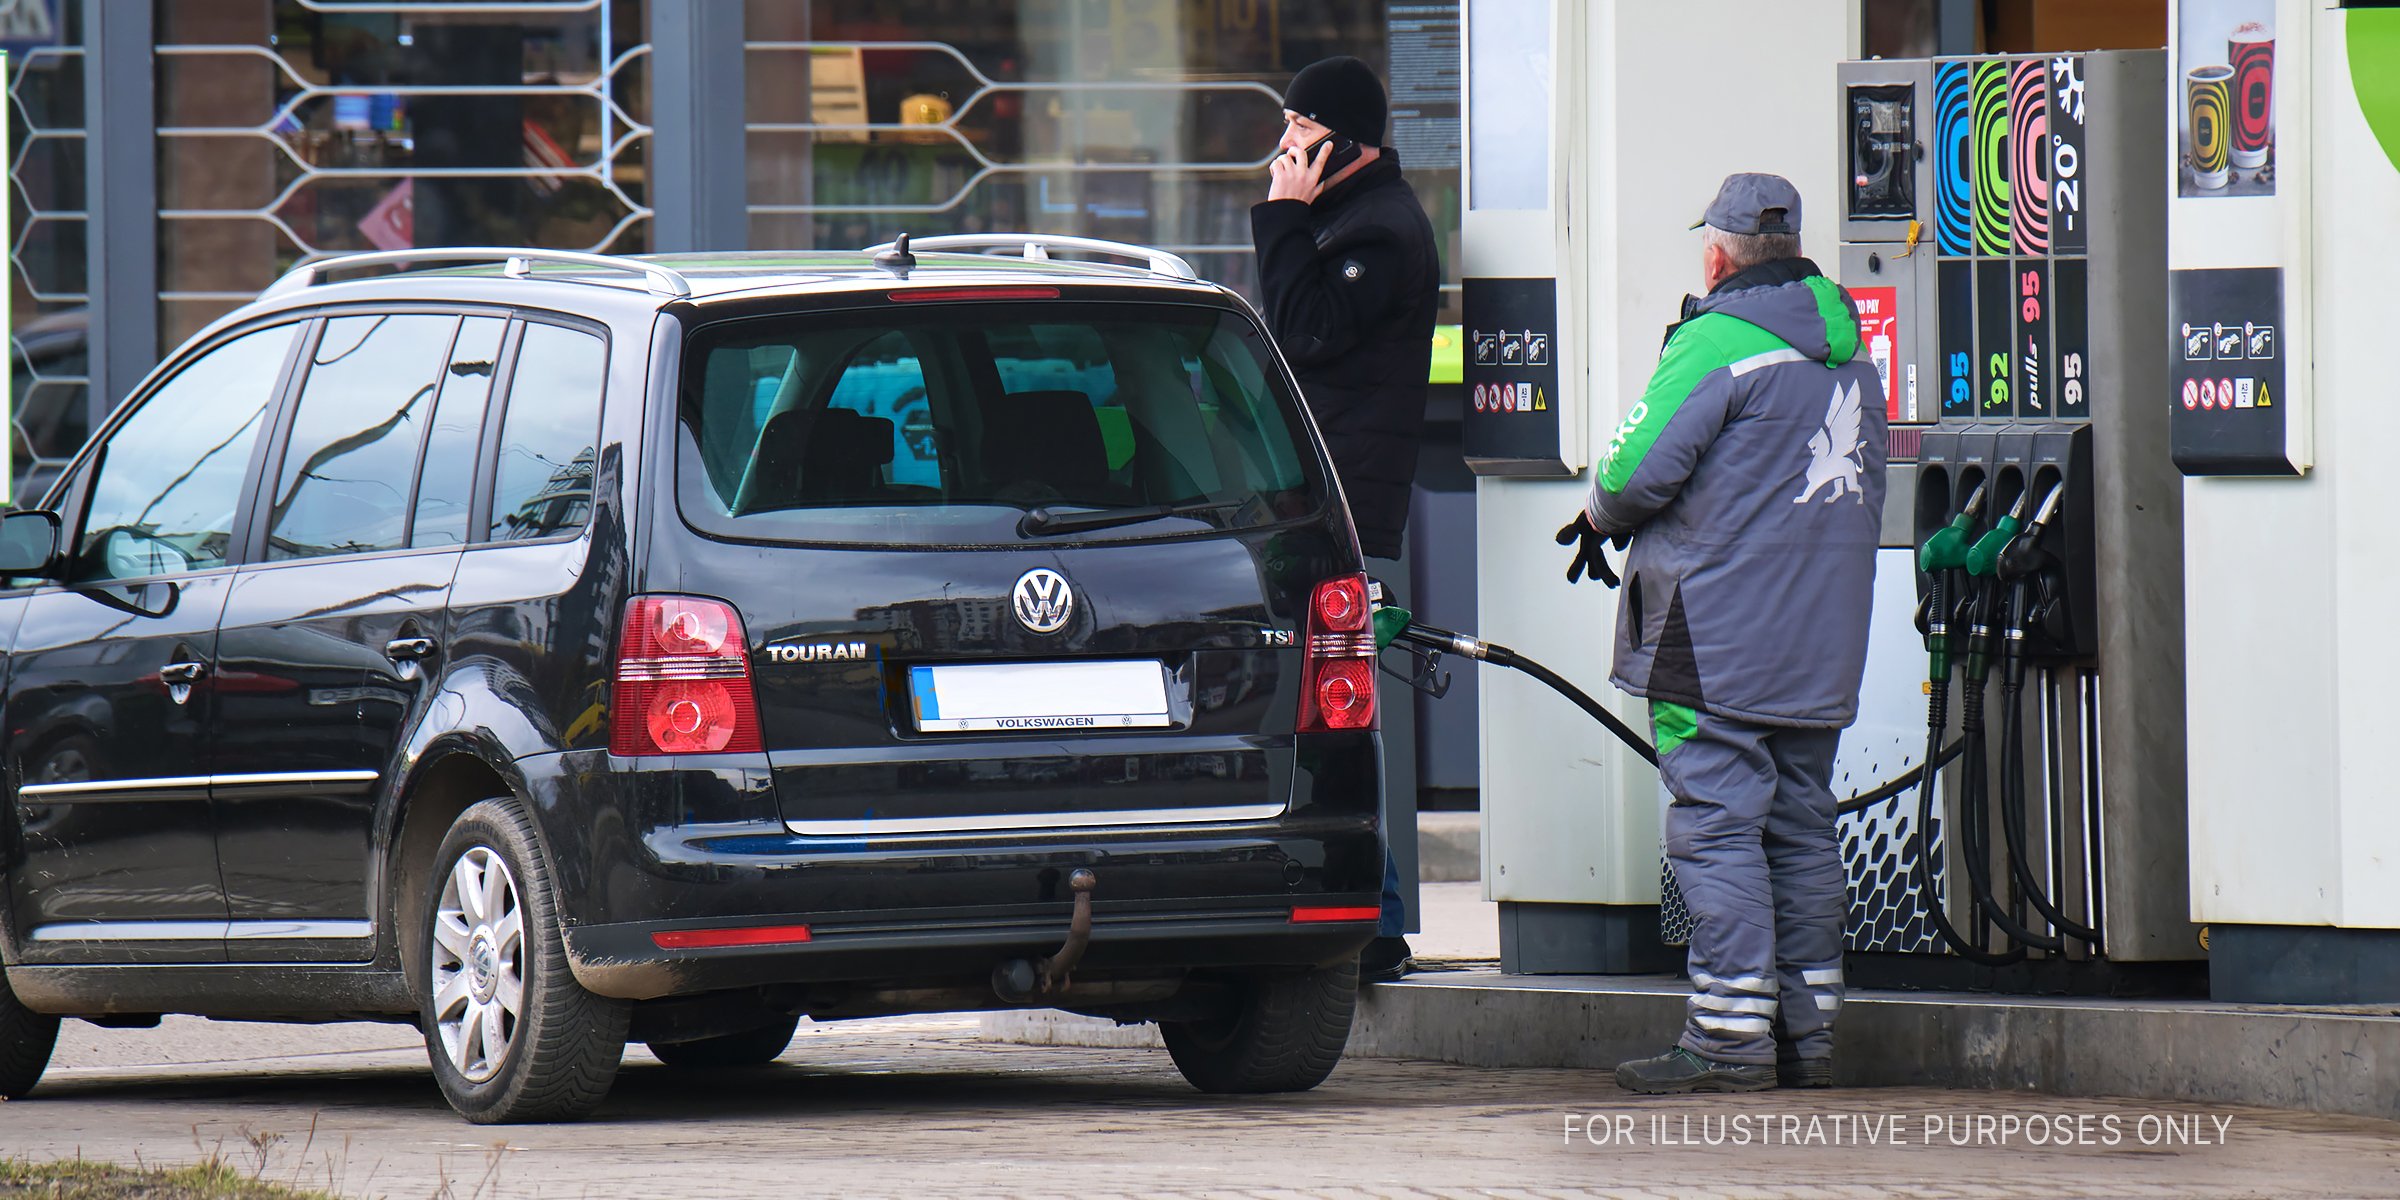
column 554, row 651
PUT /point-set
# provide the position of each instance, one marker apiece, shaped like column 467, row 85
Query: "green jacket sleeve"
column 1664, row 435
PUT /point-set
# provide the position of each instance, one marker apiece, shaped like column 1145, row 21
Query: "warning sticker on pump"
column 989, row 697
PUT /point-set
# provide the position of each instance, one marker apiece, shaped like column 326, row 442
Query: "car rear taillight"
column 1337, row 679
column 683, row 680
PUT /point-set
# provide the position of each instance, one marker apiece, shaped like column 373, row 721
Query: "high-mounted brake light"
column 1337, row 678
column 975, row 293
column 683, row 680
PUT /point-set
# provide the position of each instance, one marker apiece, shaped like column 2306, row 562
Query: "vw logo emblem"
column 1043, row 600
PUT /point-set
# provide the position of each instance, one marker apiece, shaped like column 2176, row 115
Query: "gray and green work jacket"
column 1751, row 473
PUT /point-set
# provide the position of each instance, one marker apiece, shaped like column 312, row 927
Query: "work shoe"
column 1804, row 1072
column 1384, row 960
column 1679, row 1070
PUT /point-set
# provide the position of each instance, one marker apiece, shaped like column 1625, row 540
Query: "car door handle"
column 409, row 648
column 182, row 672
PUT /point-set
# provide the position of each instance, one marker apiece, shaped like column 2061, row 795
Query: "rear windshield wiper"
column 1043, row 522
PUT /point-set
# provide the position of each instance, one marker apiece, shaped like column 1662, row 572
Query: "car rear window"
column 949, row 423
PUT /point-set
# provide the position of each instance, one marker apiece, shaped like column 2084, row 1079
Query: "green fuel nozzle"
column 1983, row 558
column 1942, row 553
column 1983, row 562
column 1947, row 549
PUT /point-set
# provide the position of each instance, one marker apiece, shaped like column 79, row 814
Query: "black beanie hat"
column 1343, row 95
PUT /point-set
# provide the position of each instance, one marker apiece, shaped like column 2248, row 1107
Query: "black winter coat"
column 1351, row 285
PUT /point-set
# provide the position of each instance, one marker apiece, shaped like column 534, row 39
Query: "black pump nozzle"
column 2023, row 555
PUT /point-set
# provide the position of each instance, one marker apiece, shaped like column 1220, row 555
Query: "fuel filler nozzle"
column 1983, row 563
column 1943, row 553
column 1983, row 558
column 2023, row 567
column 1947, row 549
column 2024, row 555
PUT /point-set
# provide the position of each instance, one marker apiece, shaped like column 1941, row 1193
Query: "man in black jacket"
column 1351, row 281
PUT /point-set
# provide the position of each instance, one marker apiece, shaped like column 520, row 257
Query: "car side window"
column 549, row 435
column 447, row 483
column 168, row 480
column 352, row 454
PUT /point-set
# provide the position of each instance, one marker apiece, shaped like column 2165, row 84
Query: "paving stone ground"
column 923, row 1107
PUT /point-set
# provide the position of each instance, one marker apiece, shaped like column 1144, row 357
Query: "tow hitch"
column 1019, row 981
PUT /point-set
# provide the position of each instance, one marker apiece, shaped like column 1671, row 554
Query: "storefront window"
column 1147, row 121
column 48, row 304
column 290, row 129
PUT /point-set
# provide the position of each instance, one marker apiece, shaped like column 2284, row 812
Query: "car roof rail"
column 1037, row 247
column 517, row 263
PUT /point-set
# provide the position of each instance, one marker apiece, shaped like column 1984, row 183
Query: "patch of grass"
column 210, row 1179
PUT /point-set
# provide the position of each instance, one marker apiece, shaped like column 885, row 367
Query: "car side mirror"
column 28, row 543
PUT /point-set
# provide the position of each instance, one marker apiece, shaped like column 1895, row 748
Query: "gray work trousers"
column 1750, row 831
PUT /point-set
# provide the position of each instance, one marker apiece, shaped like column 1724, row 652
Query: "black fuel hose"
column 1975, row 815
column 1937, row 716
column 1975, row 785
column 1430, row 637
column 1920, row 778
column 2012, row 774
column 1903, row 785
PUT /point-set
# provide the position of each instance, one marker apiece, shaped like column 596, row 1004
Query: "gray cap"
column 1754, row 203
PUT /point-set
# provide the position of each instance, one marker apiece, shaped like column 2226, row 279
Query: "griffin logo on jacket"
column 1826, row 466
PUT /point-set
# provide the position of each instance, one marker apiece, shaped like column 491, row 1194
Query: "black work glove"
column 1591, row 561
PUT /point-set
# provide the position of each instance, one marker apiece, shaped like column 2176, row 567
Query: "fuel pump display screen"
column 1883, row 124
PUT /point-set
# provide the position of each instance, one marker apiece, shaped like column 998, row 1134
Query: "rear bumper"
column 956, row 950
column 640, row 847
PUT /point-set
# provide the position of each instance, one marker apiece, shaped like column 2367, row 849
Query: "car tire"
column 26, row 1040
column 754, row 1048
column 492, row 932
column 1283, row 1033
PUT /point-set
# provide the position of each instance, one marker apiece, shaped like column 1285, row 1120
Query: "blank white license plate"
column 976, row 697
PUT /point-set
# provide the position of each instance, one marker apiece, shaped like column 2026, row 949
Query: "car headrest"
column 845, row 455
column 835, row 454
column 1046, row 437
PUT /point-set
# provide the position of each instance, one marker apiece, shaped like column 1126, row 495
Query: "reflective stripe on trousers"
column 1750, row 831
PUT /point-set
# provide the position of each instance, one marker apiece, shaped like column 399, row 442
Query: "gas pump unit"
column 2004, row 233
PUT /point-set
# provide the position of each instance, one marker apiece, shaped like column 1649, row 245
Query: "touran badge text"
column 810, row 652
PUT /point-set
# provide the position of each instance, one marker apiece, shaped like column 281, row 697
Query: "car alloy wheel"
column 478, row 964
column 512, row 1036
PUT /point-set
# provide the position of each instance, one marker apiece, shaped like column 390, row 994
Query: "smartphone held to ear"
column 1345, row 151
